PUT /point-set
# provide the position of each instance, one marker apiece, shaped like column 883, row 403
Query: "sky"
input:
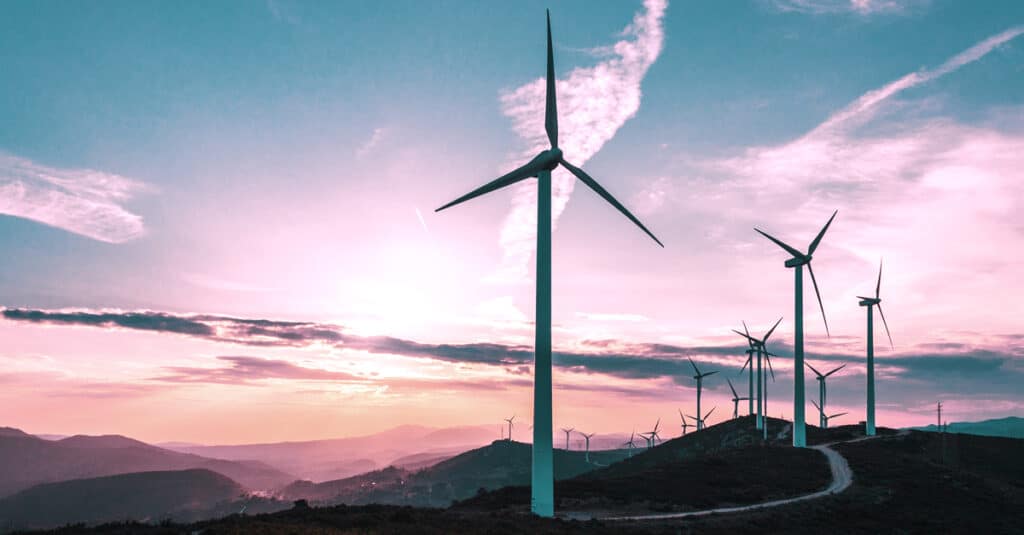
column 219, row 221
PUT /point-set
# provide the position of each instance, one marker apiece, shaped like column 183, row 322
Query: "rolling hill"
column 1009, row 427
column 26, row 460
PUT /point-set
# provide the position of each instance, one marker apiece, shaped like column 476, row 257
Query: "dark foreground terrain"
column 915, row 482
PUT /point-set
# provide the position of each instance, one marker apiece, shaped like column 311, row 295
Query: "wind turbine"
column 509, row 420
column 567, row 431
column 702, row 421
column 736, row 399
column 586, row 437
column 871, row 302
column 749, row 366
column 700, row 386
column 822, row 391
column 652, row 435
column 684, row 424
column 798, row 261
column 542, row 502
column 825, row 419
column 758, row 346
column 629, row 443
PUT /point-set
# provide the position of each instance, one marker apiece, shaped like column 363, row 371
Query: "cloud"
column 593, row 103
column 375, row 138
column 921, row 370
column 244, row 370
column 860, row 7
column 81, row 201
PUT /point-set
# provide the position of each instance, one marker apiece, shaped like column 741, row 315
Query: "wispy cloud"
column 375, row 138
column 860, row 7
column 244, row 370
column 82, row 201
column 593, row 103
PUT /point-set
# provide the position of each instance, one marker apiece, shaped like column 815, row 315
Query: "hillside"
column 500, row 464
column 140, row 496
column 331, row 459
column 26, row 460
column 1010, row 427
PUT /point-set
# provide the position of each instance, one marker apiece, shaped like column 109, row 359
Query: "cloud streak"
column 593, row 103
column 82, row 201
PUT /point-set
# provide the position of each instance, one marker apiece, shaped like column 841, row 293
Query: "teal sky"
column 282, row 160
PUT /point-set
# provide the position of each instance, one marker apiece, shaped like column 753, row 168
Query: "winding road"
column 842, row 477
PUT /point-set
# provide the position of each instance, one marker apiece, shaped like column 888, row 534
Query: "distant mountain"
column 331, row 459
column 500, row 464
column 1009, row 427
column 418, row 461
column 26, row 460
column 146, row 496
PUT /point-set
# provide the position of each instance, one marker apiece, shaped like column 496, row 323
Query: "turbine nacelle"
column 798, row 261
column 868, row 301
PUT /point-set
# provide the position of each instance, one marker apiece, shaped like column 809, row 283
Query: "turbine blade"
column 835, row 370
column 768, row 359
column 694, row 365
column 709, row 373
column 815, row 403
column 790, row 250
column 710, row 411
column 886, row 326
column 551, row 110
column 820, row 304
column 586, row 179
column 734, row 394
column 770, row 331
column 747, row 363
column 526, row 171
column 816, row 372
column 837, row 415
column 817, row 239
column 878, row 287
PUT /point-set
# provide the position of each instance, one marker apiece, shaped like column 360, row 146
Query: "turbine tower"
column 822, row 392
column 700, row 386
column 736, row 399
column 542, row 500
column 509, row 420
column 798, row 261
column 758, row 347
column 871, row 302
column 567, row 431
column 586, row 437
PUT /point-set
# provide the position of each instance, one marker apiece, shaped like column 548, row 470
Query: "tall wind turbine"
column 700, row 386
column 542, row 501
column 736, row 399
column 567, row 431
column 870, row 302
column 822, row 391
column 758, row 346
column 586, row 437
column 509, row 420
column 798, row 261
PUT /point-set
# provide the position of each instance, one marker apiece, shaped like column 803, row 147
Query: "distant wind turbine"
column 798, row 261
column 542, row 502
column 703, row 421
column 586, row 456
column 822, row 392
column 652, row 435
column 630, row 443
column 509, row 420
column 683, row 423
column 736, row 399
column 700, row 386
column 825, row 419
column 567, row 431
column 870, row 302
column 758, row 346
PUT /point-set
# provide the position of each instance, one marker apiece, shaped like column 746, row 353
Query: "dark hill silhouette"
column 26, row 461
column 139, row 496
column 1009, row 427
column 500, row 464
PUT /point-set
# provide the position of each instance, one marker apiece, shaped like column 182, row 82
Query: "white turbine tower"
column 700, row 387
column 798, row 261
column 542, row 500
column 567, row 431
column 871, row 302
column 822, row 391
column 509, row 420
